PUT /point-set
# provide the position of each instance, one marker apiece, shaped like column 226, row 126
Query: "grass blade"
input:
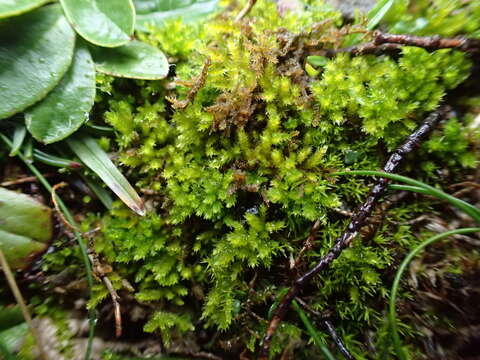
column 312, row 332
column 467, row 208
column 18, row 138
column 93, row 156
column 392, row 316
column 376, row 14
column 23, row 306
column 53, row 160
column 78, row 236
column 102, row 193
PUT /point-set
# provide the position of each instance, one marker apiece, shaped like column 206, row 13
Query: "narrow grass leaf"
column 376, row 14
column 93, row 156
column 312, row 331
column 392, row 316
column 18, row 138
column 467, row 208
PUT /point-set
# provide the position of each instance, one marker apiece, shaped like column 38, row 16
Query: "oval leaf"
column 16, row 7
column 135, row 60
column 25, row 227
column 22, row 215
column 12, row 337
column 35, row 51
column 108, row 23
column 156, row 12
column 87, row 149
column 65, row 108
column 19, row 249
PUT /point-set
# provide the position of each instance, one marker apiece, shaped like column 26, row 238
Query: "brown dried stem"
column 330, row 328
column 57, row 207
column 337, row 340
column 196, row 86
column 430, row 43
column 245, row 10
column 391, row 43
column 23, row 180
column 352, row 230
column 21, row 302
column 100, row 272
column 308, row 244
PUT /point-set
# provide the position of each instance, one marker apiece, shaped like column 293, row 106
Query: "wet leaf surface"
column 156, row 12
column 134, row 60
column 25, row 227
column 65, row 108
column 36, row 50
column 16, row 7
column 106, row 23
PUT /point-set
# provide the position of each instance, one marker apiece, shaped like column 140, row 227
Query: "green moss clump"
column 235, row 179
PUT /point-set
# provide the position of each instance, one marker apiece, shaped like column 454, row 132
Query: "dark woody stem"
column 358, row 221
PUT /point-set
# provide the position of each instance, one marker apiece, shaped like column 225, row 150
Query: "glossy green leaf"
column 36, row 50
column 12, row 337
column 25, row 227
column 93, row 156
column 135, row 60
column 22, row 215
column 10, row 8
column 19, row 249
column 108, row 23
column 155, row 12
column 65, row 108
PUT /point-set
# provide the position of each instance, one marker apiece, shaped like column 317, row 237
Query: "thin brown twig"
column 352, row 230
column 428, row 42
column 116, row 305
column 23, row 180
column 465, row 184
column 21, row 302
column 391, row 43
column 100, row 272
column 308, row 244
column 57, row 207
column 196, row 86
column 245, row 10
column 337, row 340
column 329, row 326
